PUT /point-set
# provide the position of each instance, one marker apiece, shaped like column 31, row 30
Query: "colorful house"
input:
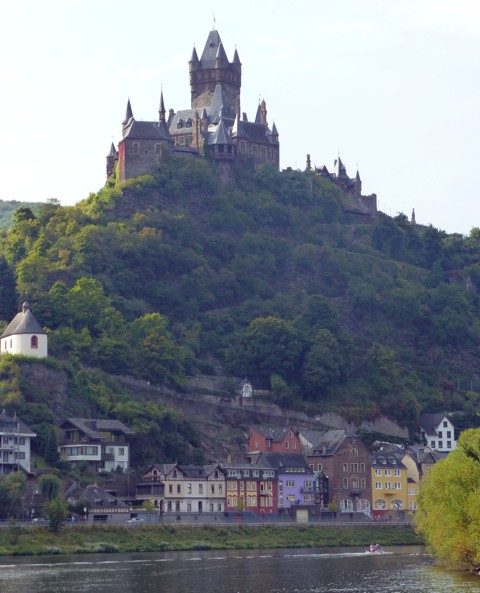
column 252, row 488
column 274, row 440
column 346, row 462
column 389, row 483
column 295, row 478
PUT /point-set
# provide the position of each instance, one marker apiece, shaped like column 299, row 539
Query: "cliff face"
column 222, row 421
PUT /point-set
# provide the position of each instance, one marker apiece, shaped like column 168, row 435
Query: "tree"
column 448, row 514
column 323, row 364
column 49, row 486
column 56, row 511
column 272, row 346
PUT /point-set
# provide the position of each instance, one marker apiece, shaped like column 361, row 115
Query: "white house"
column 438, row 432
column 24, row 335
column 103, row 444
column 15, row 437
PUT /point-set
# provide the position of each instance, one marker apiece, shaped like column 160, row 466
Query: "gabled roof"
column 98, row 497
column 147, row 130
column 430, row 422
column 23, row 323
column 330, row 442
column 276, row 435
column 14, row 425
column 94, row 428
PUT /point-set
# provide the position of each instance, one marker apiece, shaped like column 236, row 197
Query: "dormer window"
column 180, row 123
column 189, row 122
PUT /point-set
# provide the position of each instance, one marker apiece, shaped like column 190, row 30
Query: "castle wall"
column 138, row 157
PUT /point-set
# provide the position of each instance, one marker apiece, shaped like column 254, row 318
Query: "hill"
column 8, row 209
column 178, row 274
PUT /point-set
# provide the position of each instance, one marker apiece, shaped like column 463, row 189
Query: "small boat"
column 374, row 549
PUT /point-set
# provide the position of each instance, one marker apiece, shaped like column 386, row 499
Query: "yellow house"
column 389, row 485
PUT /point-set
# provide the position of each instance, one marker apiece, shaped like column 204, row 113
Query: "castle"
column 213, row 124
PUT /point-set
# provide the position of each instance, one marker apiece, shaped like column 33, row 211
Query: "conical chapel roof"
column 23, row 323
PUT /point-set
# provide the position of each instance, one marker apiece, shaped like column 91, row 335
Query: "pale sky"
column 392, row 86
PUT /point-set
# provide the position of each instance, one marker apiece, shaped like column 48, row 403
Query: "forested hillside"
column 173, row 275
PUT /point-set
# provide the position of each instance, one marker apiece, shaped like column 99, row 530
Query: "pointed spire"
column 161, row 109
column 128, row 113
column 236, row 58
column 194, row 61
column 357, row 177
column 221, row 55
column 113, row 151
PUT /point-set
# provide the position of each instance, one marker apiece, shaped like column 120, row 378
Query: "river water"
column 340, row 570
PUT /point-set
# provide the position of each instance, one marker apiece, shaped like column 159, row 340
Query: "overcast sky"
column 392, row 86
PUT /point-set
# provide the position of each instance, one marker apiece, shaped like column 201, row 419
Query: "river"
column 341, row 570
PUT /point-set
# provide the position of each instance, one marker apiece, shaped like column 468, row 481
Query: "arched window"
column 136, row 148
column 396, row 504
column 380, row 504
column 346, row 504
column 34, row 342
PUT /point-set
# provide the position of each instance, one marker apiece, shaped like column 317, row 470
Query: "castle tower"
column 357, row 185
column 112, row 158
column 213, row 69
column 24, row 335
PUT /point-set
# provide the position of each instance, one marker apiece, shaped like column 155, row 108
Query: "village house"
column 278, row 440
column 438, row 432
column 346, row 462
column 389, row 484
column 251, row 488
column 15, row 439
column 294, row 478
column 103, row 444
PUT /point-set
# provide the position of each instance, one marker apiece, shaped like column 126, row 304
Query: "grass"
column 27, row 541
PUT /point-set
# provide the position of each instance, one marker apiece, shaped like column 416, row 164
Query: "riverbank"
column 29, row 541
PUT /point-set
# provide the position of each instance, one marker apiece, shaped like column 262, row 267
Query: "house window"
column 398, row 486
column 440, row 444
column 290, row 484
column 388, row 472
column 219, row 506
column 170, row 489
column 449, row 434
column 177, row 505
column 449, row 444
column 212, row 488
column 178, row 489
column 220, row 488
column 189, row 506
column 257, row 445
column 121, row 451
column 211, row 507
column 345, row 467
column 189, row 488
column 319, row 467
column 286, row 444
column 345, row 482
column 388, row 485
column 396, row 473
column 294, row 445
column 169, row 505
column 440, row 434
column 34, row 342
column 353, row 452
column 445, row 423
column 200, row 488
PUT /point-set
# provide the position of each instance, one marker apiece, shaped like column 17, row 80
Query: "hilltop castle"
column 214, row 122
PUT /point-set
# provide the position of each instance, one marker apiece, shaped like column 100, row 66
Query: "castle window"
column 180, row 123
column 157, row 148
column 34, row 342
column 136, row 148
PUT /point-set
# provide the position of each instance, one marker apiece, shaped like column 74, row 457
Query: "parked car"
column 39, row 521
column 134, row 520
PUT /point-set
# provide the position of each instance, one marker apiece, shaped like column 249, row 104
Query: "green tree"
column 323, row 365
column 272, row 346
column 448, row 514
column 56, row 512
column 50, row 486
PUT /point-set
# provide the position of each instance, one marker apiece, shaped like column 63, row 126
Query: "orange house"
column 283, row 440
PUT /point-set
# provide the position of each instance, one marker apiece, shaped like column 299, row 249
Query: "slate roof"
column 430, row 422
column 283, row 460
column 276, row 435
column 23, row 323
column 387, row 459
column 94, row 428
column 99, row 498
column 9, row 424
column 330, row 442
column 210, row 50
column 147, row 130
